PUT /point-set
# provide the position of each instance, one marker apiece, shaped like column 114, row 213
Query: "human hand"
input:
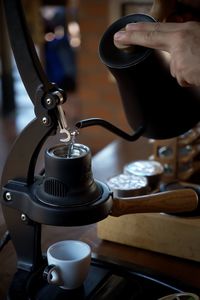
column 180, row 40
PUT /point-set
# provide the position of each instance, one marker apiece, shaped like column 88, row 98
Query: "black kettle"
column 151, row 97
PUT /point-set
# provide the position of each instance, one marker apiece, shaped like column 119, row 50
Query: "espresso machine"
column 65, row 192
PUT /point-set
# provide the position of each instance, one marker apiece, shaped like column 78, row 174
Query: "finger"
column 157, row 26
column 117, row 43
column 151, row 39
column 172, row 69
column 182, row 82
column 178, row 74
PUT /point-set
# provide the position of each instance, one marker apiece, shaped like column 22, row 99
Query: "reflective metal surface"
column 128, row 185
column 180, row 296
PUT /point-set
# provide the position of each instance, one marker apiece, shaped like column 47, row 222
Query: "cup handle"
column 52, row 275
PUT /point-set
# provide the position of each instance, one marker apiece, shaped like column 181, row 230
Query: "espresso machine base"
column 106, row 280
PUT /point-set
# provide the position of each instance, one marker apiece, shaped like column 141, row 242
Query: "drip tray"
column 107, row 280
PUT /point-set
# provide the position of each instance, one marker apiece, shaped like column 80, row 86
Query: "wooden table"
column 106, row 163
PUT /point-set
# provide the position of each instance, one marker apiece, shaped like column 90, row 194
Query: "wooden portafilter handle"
column 176, row 201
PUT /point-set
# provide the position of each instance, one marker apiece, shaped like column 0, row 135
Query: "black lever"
column 27, row 61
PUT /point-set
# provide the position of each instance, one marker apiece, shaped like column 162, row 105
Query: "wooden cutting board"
column 176, row 236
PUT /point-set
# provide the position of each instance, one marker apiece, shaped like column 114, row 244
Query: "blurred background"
column 66, row 35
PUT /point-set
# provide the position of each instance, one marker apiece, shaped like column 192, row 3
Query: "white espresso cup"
column 68, row 264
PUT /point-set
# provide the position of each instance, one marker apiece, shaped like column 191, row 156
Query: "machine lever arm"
column 24, row 51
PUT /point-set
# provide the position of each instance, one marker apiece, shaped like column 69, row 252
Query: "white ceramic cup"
column 68, row 263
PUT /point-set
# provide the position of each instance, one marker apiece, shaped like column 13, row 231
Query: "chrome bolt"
column 23, row 217
column 48, row 101
column 8, row 196
column 45, row 121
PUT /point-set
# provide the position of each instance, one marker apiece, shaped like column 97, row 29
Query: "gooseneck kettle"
column 151, row 97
